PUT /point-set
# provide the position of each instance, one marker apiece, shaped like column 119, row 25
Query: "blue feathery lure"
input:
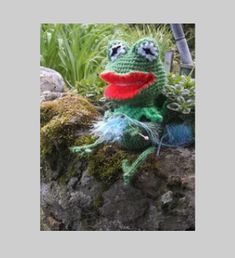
column 112, row 129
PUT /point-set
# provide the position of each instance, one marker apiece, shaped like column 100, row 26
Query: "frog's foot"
column 129, row 170
column 85, row 149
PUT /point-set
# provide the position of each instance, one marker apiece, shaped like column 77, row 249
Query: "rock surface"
column 161, row 196
column 51, row 84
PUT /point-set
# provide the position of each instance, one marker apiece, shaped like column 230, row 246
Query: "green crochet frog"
column 135, row 77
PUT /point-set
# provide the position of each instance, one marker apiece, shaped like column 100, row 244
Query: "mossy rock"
column 105, row 164
column 65, row 123
column 85, row 139
column 61, row 121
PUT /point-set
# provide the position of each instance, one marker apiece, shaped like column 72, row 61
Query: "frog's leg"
column 86, row 148
column 129, row 170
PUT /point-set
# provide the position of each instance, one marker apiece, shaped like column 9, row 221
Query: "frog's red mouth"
column 126, row 86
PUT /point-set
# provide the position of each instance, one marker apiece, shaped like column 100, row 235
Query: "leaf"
column 173, row 106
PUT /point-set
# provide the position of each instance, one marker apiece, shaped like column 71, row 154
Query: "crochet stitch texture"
column 131, row 61
column 135, row 77
column 140, row 106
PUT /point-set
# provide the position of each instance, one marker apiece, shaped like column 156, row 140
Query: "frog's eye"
column 116, row 50
column 148, row 50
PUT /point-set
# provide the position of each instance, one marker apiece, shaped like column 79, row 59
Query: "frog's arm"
column 85, row 148
column 152, row 114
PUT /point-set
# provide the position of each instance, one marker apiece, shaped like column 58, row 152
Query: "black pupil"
column 114, row 50
column 148, row 51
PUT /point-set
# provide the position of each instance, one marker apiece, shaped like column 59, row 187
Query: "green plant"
column 75, row 50
column 91, row 88
column 49, row 46
column 180, row 92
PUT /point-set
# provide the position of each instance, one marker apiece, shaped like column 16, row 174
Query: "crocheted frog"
column 135, row 77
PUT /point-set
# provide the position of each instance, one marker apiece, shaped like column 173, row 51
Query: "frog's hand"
column 129, row 170
column 132, row 132
column 152, row 114
column 85, row 148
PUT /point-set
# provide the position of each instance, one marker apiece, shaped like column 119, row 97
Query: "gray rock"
column 167, row 197
column 104, row 224
column 48, row 95
column 72, row 183
column 177, row 162
column 87, row 192
column 179, row 214
column 57, row 213
column 123, row 203
column 162, row 199
column 151, row 220
column 149, row 183
column 50, row 80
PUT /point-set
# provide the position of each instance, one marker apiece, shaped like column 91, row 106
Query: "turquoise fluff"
column 176, row 135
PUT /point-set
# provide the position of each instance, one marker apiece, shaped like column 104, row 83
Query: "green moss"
column 60, row 120
column 64, row 179
column 105, row 164
column 46, row 114
column 84, row 140
column 70, row 172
